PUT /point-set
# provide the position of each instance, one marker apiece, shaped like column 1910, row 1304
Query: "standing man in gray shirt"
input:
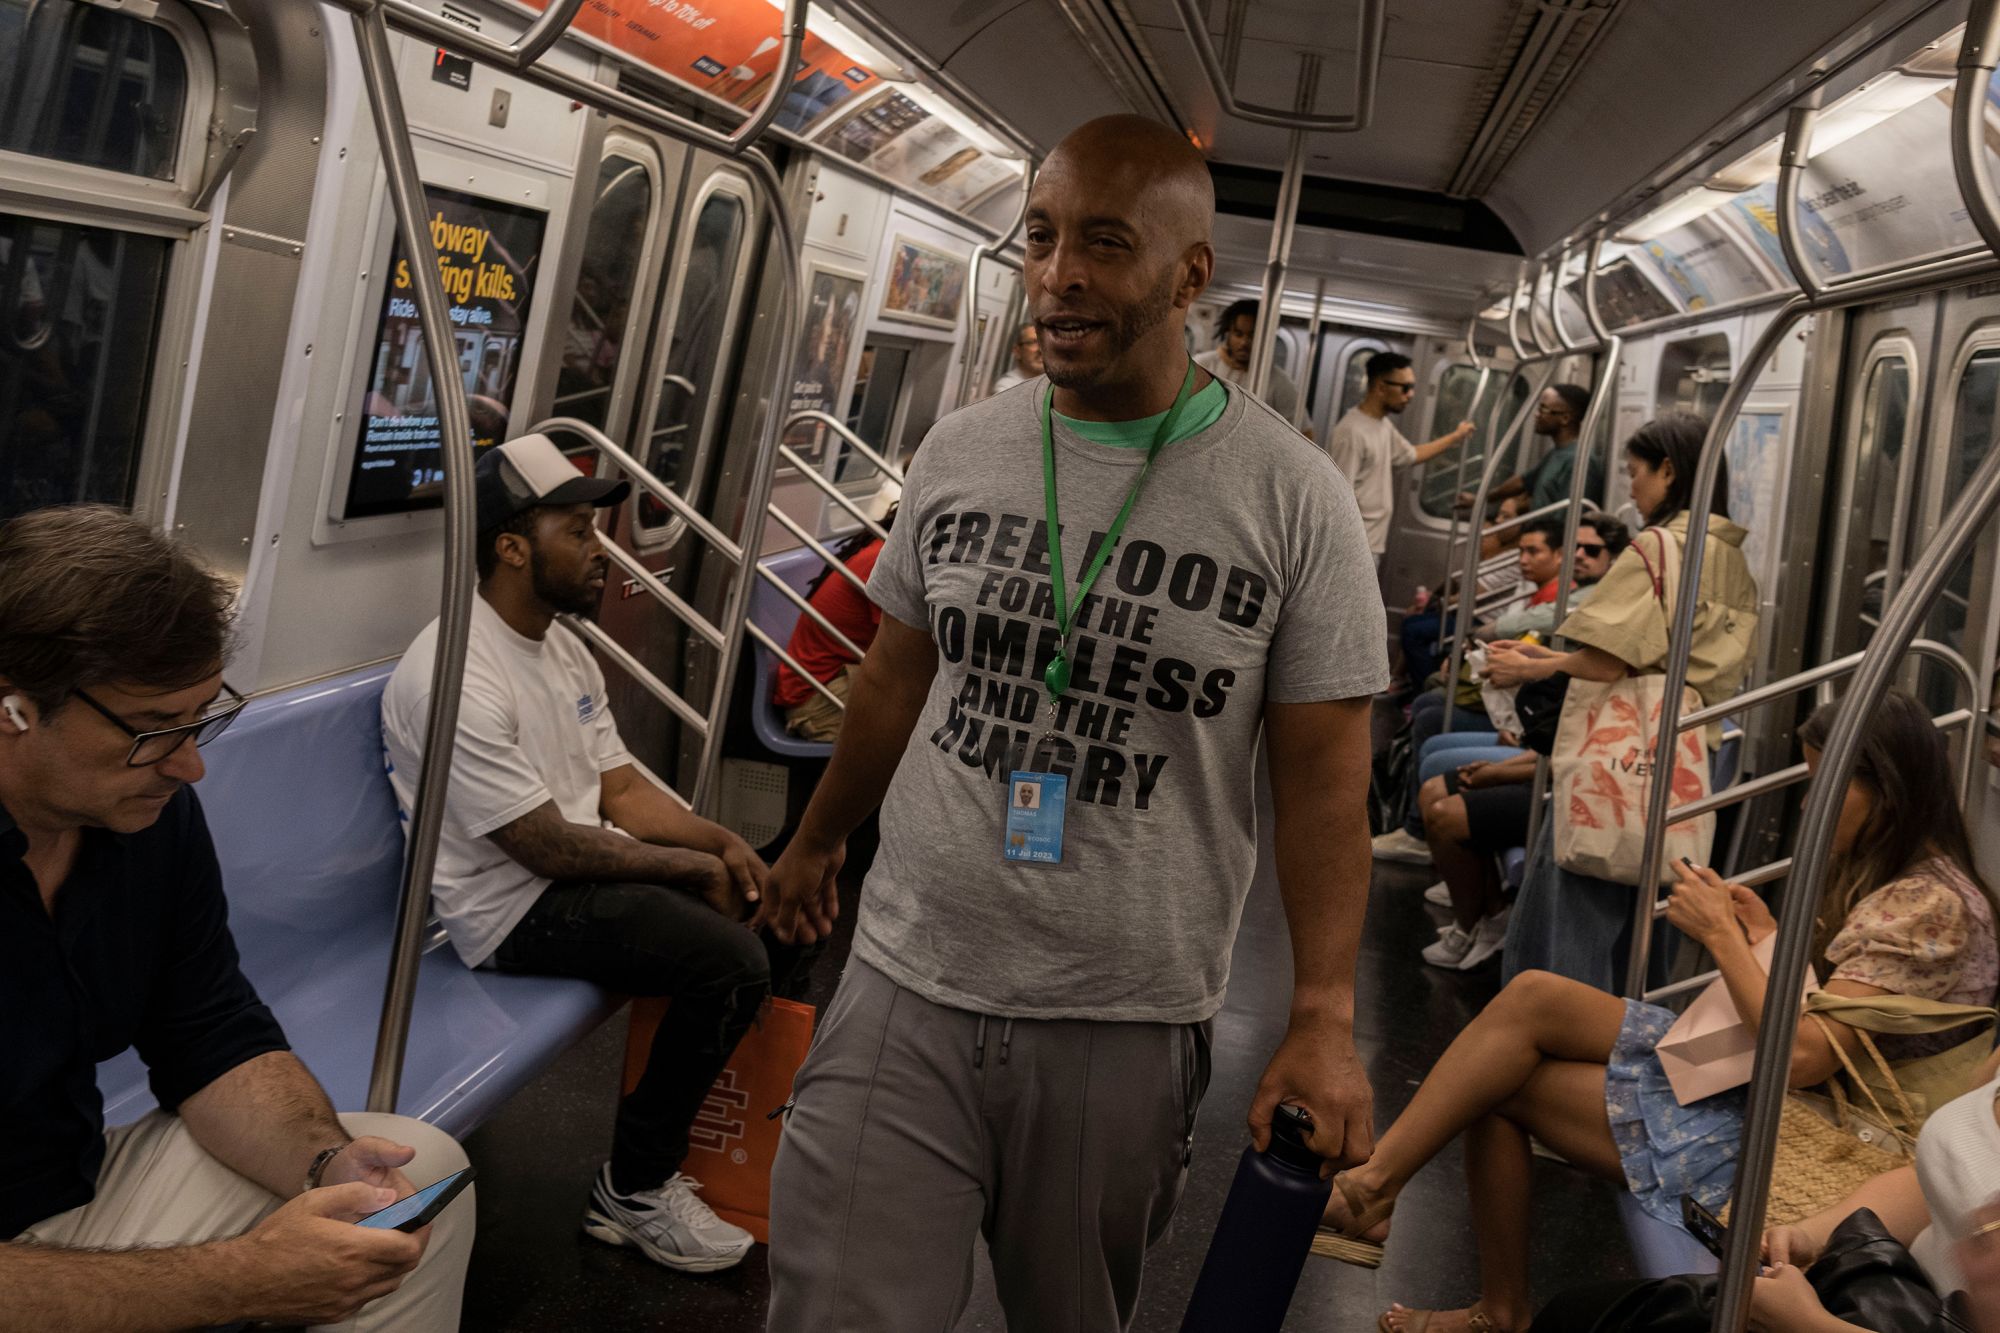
column 1370, row 451
column 1099, row 596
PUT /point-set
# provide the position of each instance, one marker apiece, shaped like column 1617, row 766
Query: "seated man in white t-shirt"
column 559, row 857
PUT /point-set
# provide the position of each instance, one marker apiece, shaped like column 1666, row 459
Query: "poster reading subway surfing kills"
column 487, row 254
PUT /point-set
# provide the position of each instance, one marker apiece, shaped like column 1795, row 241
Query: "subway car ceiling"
column 247, row 270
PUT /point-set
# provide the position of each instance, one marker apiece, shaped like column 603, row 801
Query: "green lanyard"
column 1057, row 676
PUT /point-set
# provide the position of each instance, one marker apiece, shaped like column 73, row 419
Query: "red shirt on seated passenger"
column 819, row 652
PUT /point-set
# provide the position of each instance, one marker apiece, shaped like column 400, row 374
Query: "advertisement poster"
column 833, row 317
column 488, row 254
column 1705, row 264
column 936, row 160
column 726, row 48
column 925, row 285
column 874, row 126
column 1624, row 297
column 1885, row 196
column 1756, row 453
column 1757, row 210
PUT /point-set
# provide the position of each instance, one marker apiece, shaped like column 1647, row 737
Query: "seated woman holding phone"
column 1945, row 1210
column 1578, row 1069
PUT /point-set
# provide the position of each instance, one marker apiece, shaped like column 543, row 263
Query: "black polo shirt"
column 138, row 953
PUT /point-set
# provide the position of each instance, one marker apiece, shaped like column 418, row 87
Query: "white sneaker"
column 1438, row 894
column 1488, row 938
column 1398, row 845
column 668, row 1225
column 1452, row 943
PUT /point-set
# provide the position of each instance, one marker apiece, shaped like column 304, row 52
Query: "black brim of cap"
column 599, row 491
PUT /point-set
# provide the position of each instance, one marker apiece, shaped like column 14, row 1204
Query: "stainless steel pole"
column 971, row 372
column 1285, row 221
column 406, row 195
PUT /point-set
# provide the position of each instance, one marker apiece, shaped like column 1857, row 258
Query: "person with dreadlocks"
column 810, row 715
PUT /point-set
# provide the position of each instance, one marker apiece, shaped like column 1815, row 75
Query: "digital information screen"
column 488, row 253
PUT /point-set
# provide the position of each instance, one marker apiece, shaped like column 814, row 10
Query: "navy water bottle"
column 1265, row 1234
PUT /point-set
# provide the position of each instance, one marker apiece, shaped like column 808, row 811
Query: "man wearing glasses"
column 1559, row 414
column 236, row 1200
column 1369, row 450
column 1027, row 359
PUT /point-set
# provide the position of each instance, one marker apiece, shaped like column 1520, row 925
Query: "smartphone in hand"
column 421, row 1208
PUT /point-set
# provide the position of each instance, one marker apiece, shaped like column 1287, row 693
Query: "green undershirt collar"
column 1202, row 411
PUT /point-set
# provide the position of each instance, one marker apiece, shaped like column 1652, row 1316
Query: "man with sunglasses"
column 1369, row 450
column 1559, row 414
column 235, row 1201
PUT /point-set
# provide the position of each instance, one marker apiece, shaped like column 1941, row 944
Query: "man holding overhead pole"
column 1082, row 640
column 1370, row 451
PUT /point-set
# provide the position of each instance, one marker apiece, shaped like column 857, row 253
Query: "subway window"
column 600, row 314
column 90, row 86
column 1976, row 409
column 694, row 360
column 81, row 308
column 1884, row 417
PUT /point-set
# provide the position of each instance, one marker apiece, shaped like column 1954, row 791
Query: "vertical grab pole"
column 1901, row 621
column 1264, row 342
column 406, row 194
column 1792, row 161
column 1602, row 389
column 1458, row 484
column 1694, row 553
column 1812, row 858
column 1469, row 570
column 971, row 373
column 1311, row 367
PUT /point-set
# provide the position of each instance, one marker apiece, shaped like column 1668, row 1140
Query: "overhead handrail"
column 1521, row 355
column 372, row 20
column 971, row 373
column 1792, row 161
column 1372, row 27
column 406, row 196
column 1901, row 621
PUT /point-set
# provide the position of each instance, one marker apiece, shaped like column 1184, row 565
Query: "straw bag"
column 1820, row 1161
column 1602, row 764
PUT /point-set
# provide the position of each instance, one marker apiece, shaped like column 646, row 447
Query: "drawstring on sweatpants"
column 1006, row 1040
column 979, row 1042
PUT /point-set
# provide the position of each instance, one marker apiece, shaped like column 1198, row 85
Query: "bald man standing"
column 1099, row 596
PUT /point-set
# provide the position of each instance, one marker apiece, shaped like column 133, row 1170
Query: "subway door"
column 1964, row 413
column 680, row 411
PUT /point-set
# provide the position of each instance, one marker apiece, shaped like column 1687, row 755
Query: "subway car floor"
column 533, row 1269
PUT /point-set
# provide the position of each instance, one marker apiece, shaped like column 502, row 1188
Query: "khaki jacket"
column 1626, row 619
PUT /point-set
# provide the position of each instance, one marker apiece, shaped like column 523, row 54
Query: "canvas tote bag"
column 1602, row 766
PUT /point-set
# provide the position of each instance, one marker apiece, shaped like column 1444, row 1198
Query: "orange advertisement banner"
column 725, row 48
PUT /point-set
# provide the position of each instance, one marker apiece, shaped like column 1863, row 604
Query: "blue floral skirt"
column 1668, row 1150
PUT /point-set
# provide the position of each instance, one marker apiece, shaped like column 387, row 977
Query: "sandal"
column 1347, row 1244
column 1476, row 1320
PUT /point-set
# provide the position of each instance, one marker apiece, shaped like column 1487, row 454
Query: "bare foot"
column 1477, row 1319
column 1340, row 1216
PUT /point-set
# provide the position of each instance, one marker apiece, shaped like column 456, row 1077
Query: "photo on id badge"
column 1035, row 817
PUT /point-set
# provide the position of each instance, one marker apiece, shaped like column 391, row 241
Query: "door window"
column 1354, row 380
column 1440, row 482
column 1885, row 413
column 694, row 366
column 614, row 247
column 79, row 315
column 1973, row 421
column 84, row 84
column 871, row 411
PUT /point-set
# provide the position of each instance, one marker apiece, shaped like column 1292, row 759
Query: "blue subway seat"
column 776, row 615
column 306, row 828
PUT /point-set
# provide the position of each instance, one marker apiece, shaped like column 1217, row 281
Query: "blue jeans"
column 1575, row 925
column 1426, row 723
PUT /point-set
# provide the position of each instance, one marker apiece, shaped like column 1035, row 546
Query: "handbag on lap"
column 1602, row 766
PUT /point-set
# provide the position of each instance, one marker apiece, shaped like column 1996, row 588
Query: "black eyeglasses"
column 1591, row 549
column 151, row 747
column 1397, row 384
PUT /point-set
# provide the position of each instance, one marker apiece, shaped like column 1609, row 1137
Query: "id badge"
column 1036, row 803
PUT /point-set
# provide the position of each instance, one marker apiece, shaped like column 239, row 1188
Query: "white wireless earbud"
column 11, row 706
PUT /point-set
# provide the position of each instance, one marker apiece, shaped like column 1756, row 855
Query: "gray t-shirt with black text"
column 1243, row 576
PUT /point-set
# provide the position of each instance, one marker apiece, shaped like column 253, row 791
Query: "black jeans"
column 647, row 939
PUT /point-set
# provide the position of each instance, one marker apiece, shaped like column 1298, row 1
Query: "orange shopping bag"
column 733, row 1142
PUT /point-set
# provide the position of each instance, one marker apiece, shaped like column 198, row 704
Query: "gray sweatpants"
column 918, row 1128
